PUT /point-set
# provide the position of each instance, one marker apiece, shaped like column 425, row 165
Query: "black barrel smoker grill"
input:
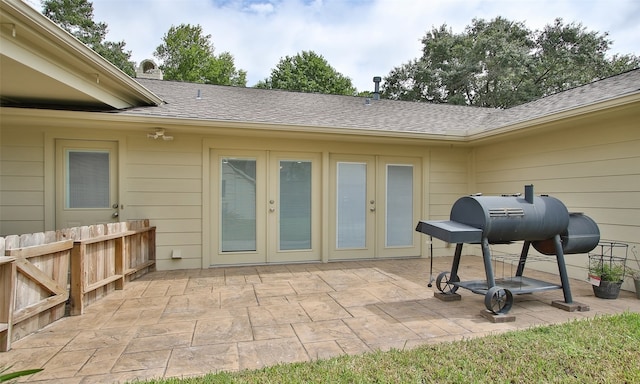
column 541, row 221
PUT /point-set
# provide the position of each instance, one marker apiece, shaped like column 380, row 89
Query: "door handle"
column 115, row 214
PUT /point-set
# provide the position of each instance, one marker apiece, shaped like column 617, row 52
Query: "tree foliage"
column 188, row 55
column 501, row 63
column 76, row 17
column 308, row 72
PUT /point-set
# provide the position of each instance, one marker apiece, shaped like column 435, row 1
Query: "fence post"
column 78, row 278
column 7, row 298
column 152, row 247
column 120, row 262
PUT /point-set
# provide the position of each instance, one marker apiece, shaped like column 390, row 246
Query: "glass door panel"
column 87, row 179
column 238, row 190
column 400, row 208
column 294, row 207
column 399, row 222
column 238, row 204
column 353, row 205
column 351, row 213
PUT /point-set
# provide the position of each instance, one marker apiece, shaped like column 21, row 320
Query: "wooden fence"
column 40, row 273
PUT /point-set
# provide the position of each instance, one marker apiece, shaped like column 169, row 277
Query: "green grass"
column 605, row 349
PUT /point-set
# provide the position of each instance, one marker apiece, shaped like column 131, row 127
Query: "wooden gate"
column 40, row 277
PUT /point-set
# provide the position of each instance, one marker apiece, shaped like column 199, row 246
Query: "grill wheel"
column 498, row 300
column 444, row 283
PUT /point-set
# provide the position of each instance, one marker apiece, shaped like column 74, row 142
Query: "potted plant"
column 606, row 279
column 607, row 269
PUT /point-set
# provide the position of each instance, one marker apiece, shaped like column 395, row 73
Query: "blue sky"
column 359, row 38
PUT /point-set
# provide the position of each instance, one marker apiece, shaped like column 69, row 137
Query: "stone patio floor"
column 189, row 322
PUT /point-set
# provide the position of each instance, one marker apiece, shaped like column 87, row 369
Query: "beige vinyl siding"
column 591, row 165
column 21, row 181
column 448, row 180
column 588, row 169
column 163, row 182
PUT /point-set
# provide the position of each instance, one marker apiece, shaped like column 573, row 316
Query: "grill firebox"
column 541, row 221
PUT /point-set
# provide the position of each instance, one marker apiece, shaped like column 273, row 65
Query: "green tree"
column 568, row 55
column 308, row 72
column 76, row 17
column 501, row 63
column 188, row 55
column 483, row 66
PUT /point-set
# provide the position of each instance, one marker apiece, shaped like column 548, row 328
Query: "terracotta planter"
column 607, row 289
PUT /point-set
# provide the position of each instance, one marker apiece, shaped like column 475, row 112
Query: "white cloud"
column 261, row 8
column 360, row 38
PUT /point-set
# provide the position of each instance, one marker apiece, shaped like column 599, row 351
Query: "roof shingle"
column 252, row 105
column 610, row 88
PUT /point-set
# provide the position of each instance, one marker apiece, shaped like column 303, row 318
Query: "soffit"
column 43, row 65
column 22, row 85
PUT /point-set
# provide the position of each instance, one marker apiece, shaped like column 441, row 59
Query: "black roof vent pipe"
column 376, row 92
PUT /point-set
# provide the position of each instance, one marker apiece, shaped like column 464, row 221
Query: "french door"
column 374, row 207
column 353, row 205
column 266, row 207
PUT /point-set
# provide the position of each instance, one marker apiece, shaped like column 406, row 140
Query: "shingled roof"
column 252, row 105
column 615, row 87
column 205, row 102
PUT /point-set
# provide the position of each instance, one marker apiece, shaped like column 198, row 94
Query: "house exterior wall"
column 21, row 180
column 169, row 182
column 449, row 175
column 591, row 163
column 448, row 180
column 162, row 181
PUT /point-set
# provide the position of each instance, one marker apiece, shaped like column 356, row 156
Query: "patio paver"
column 189, row 323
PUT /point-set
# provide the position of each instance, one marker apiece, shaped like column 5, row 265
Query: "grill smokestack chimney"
column 528, row 193
column 376, row 92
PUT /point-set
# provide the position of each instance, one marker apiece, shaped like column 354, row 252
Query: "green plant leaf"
column 13, row 375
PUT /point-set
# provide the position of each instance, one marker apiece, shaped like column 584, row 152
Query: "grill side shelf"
column 450, row 231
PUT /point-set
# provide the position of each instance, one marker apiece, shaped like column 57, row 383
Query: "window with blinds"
column 87, row 179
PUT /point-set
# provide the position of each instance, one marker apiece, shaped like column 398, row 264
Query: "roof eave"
column 137, row 95
column 223, row 127
column 528, row 125
column 291, row 128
